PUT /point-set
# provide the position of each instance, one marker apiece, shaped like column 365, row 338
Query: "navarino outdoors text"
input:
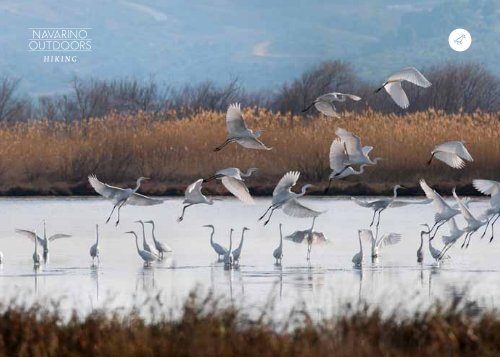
column 60, row 40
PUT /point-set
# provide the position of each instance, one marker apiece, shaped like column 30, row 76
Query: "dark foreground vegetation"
column 207, row 330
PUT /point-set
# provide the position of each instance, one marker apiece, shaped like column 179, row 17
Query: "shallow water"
column 394, row 281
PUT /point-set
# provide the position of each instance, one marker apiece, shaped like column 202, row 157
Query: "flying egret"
column 193, row 196
column 228, row 257
column 473, row 224
column 44, row 242
column 356, row 154
column 444, row 212
column 237, row 251
column 379, row 242
column 122, row 196
column 160, row 246
column 392, row 85
column 278, row 252
column 37, row 258
column 220, row 250
column 146, row 256
column 284, row 198
column 378, row 205
column 451, row 238
column 237, row 131
column 490, row 188
column 324, row 103
column 452, row 153
column 339, row 163
column 147, row 247
column 357, row 259
column 232, row 179
column 94, row 250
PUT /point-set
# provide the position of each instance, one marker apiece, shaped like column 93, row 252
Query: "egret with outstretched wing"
column 324, row 103
column 452, row 153
column 193, row 196
column 233, row 180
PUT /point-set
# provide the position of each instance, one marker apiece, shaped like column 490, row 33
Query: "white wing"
column 140, row 200
column 30, row 235
column 350, row 96
column 401, row 203
column 295, row 209
column 105, row 190
column 449, row 159
column 365, row 235
column 286, row 182
column 326, row 108
column 338, row 156
column 487, row 187
column 389, row 239
column 367, row 149
column 238, row 188
column 194, row 190
column 58, row 236
column 439, row 204
column 412, row 75
column 361, row 203
column 234, row 119
column 463, row 209
column 397, row 94
column 353, row 142
column 454, row 147
column 253, row 143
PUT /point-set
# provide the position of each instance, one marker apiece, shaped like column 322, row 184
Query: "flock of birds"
column 347, row 157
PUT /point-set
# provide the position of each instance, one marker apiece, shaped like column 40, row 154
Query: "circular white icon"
column 460, row 40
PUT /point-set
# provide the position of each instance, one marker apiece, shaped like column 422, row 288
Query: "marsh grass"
column 45, row 157
column 208, row 328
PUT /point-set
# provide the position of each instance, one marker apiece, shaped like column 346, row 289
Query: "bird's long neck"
column 153, row 231
column 281, row 238
column 421, row 241
column 303, row 191
column 137, row 243
column 143, row 234
column 97, row 234
column 361, row 170
column 212, row 237
column 360, row 246
column 138, row 185
column 247, row 173
column 312, row 226
column 395, row 193
column 241, row 241
column 230, row 241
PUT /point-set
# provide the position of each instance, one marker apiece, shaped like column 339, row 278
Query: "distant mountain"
column 263, row 43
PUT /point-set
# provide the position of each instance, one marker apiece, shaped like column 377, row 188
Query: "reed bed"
column 52, row 157
column 204, row 329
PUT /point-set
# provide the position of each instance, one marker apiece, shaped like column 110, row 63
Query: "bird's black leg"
column 112, row 212
column 437, row 228
column 487, row 224
column 182, row 215
column 378, row 221
column 119, row 208
column 465, row 240
column 373, row 218
column 328, row 188
column 493, row 227
column 219, row 148
column 262, row 217
column 272, row 211
column 309, row 107
column 430, row 160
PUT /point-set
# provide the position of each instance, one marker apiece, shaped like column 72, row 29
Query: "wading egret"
column 339, row 163
column 363, row 235
column 452, row 153
column 193, row 196
column 232, row 179
column 284, row 198
column 324, row 103
column 473, row 224
column 444, row 212
column 278, row 252
column 220, row 250
column 1, row 258
column 420, row 253
column 237, row 251
column 160, row 246
column 378, row 205
column 122, row 196
column 490, row 188
column 146, row 256
column 44, row 242
column 384, row 240
column 94, row 250
column 237, row 131
column 147, row 247
column 392, row 85
column 228, row 257
column 356, row 154
column 37, row 258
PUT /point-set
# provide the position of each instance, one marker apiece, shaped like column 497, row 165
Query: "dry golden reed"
column 56, row 157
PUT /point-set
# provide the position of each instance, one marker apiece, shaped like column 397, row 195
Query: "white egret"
column 473, row 224
column 237, row 131
column 278, row 252
column 356, row 154
column 146, row 256
column 452, row 153
column 339, row 163
column 490, row 188
column 122, row 196
column 378, row 205
column 420, row 253
column 94, row 249
column 237, row 251
column 384, row 240
column 232, row 179
column 324, row 103
column 160, row 246
column 147, row 247
column 228, row 257
column 44, row 242
column 451, row 238
column 1, row 258
column 284, row 198
column 444, row 212
column 392, row 85
column 363, row 235
column 220, row 250
column 193, row 196
column 37, row 258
